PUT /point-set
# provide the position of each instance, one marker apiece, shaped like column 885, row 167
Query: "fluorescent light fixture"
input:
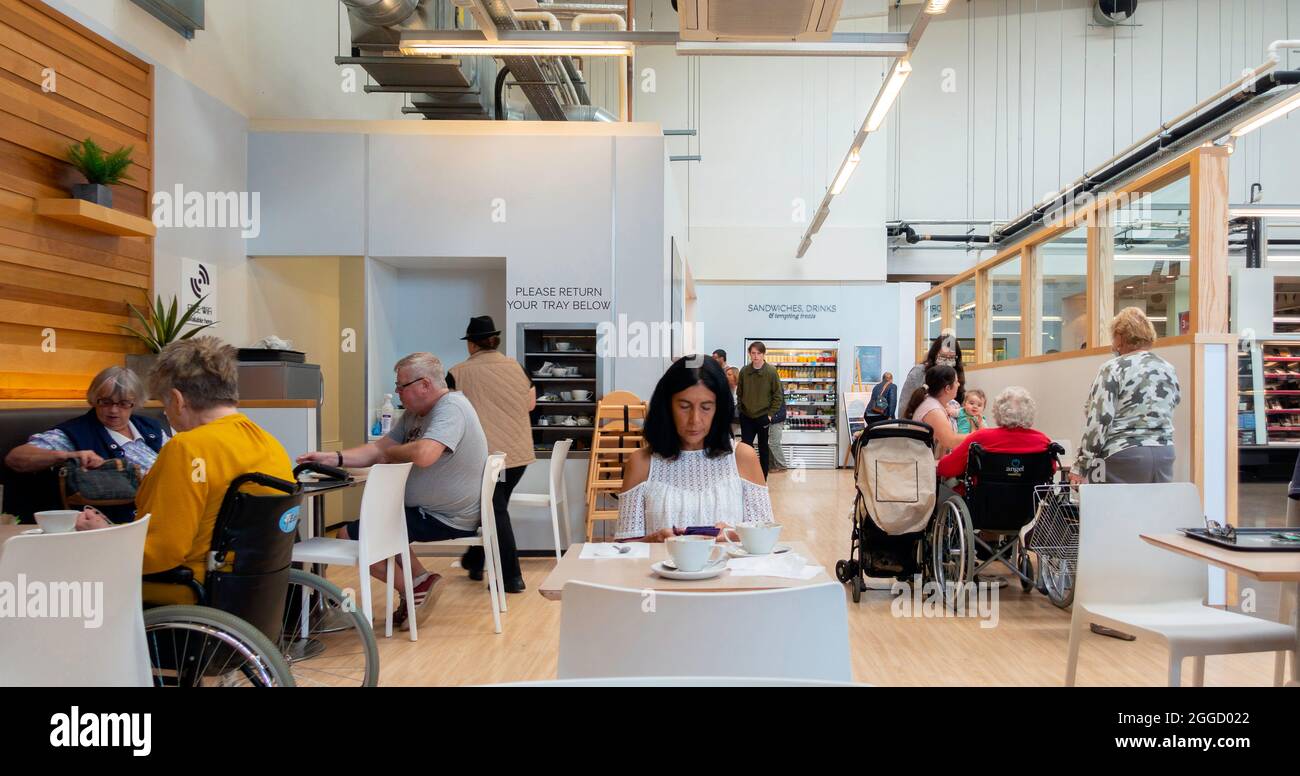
column 1150, row 257
column 530, row 49
column 1285, row 319
column 888, row 94
column 1276, row 111
column 1265, row 211
column 936, row 6
column 819, row 219
column 1157, row 319
column 1289, row 258
column 846, row 172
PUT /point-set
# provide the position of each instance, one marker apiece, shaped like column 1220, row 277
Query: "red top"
column 995, row 440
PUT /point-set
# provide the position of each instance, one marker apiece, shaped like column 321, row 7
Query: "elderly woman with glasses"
column 108, row 430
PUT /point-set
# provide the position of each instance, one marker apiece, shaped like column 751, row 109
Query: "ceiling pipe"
column 599, row 18
column 551, row 21
column 382, row 13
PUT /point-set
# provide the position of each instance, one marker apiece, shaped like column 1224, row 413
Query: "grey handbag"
column 113, row 483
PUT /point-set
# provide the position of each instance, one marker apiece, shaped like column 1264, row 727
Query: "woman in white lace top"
column 692, row 473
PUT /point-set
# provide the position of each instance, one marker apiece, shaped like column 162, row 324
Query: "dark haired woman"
column 944, row 351
column 929, row 405
column 691, row 473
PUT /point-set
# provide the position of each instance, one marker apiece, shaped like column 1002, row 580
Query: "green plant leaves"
column 99, row 167
column 161, row 326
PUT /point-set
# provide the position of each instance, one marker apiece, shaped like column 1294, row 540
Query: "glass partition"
column 1004, row 290
column 932, row 321
column 1064, row 263
column 963, row 317
column 1152, row 266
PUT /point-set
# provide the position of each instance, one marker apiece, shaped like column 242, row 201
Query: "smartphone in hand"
column 702, row 530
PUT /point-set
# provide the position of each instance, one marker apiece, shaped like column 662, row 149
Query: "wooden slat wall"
column 52, row 274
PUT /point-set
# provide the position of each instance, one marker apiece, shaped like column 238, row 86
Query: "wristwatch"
column 340, row 459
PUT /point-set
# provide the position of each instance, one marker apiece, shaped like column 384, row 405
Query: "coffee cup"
column 57, row 520
column 566, row 395
column 693, row 553
column 755, row 538
column 581, row 395
column 562, row 346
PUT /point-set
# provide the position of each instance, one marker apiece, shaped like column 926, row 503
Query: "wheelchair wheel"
column 1057, row 576
column 952, row 555
column 1026, row 568
column 198, row 646
column 337, row 646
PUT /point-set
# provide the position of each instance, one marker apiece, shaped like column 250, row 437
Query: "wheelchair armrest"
column 181, row 575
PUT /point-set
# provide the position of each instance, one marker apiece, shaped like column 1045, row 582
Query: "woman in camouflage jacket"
column 1128, row 435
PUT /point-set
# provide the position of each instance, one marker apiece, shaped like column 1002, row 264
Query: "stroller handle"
column 903, row 423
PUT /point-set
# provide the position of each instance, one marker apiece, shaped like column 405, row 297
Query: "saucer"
column 665, row 569
column 32, row 532
column 741, row 552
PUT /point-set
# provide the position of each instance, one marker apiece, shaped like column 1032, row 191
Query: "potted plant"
column 161, row 327
column 101, row 170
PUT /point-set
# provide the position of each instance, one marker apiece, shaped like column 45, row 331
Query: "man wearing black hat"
column 502, row 394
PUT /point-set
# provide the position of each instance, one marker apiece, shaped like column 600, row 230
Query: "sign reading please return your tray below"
column 559, row 298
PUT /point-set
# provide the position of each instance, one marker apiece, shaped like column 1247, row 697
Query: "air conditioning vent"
column 759, row 20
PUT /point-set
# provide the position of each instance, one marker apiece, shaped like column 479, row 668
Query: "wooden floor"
column 1027, row 646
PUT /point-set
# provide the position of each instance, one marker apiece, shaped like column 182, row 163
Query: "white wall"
column 425, row 306
column 865, row 314
column 772, row 130
column 201, row 144
column 200, row 135
column 1040, row 96
column 218, row 60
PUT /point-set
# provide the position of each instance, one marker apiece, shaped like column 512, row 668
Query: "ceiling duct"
column 1114, row 12
column 758, row 20
column 382, row 13
column 458, row 87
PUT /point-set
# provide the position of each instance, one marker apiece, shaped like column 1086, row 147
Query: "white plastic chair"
column 557, row 499
column 68, row 651
column 486, row 538
column 383, row 537
column 791, row 633
column 1129, row 585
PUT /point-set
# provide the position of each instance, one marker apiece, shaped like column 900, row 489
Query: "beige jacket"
column 500, row 392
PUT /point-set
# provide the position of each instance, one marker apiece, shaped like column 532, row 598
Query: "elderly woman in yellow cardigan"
column 196, row 381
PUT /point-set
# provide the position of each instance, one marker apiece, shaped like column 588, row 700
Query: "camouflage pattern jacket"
column 1131, row 404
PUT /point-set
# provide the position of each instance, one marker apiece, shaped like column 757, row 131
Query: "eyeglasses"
column 403, row 386
column 122, row 405
column 1214, row 528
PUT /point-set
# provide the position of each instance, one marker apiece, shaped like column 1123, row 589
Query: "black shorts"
column 419, row 528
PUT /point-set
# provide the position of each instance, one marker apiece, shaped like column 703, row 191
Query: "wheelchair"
column 905, row 523
column 999, row 501
column 257, row 620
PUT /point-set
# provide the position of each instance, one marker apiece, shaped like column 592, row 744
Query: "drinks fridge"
column 809, row 371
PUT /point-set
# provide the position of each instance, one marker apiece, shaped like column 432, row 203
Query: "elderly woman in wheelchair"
column 225, row 503
column 908, row 520
column 988, row 493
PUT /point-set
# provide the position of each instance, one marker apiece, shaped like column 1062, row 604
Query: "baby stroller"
column 896, row 495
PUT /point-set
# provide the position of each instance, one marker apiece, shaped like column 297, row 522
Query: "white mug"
column 57, row 520
column 562, row 346
column 581, row 395
column 693, row 553
column 756, row 539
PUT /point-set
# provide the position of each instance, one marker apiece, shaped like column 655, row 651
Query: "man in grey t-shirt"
column 449, row 489
column 439, row 434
